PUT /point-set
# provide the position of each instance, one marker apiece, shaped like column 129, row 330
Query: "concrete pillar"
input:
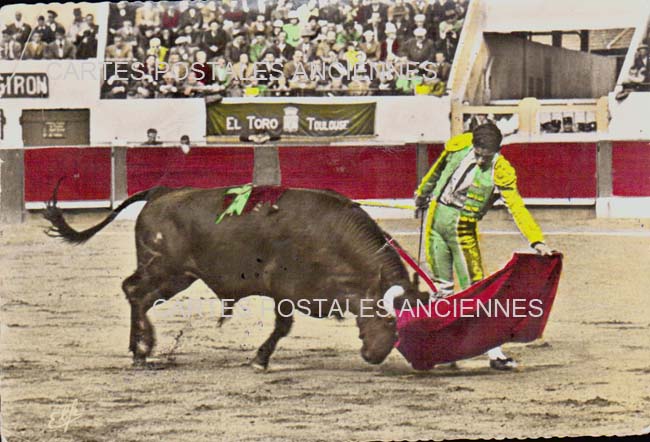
column 119, row 190
column 266, row 168
column 12, row 184
column 604, row 168
column 604, row 179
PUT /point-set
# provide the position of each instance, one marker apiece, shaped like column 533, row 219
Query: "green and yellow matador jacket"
column 482, row 192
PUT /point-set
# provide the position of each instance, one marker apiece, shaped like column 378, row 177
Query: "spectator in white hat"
column 418, row 49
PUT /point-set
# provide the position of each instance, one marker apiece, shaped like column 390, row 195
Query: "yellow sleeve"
column 429, row 181
column 505, row 178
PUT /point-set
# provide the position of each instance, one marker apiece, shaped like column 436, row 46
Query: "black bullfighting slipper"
column 503, row 364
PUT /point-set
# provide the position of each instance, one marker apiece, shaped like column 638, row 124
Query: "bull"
column 313, row 245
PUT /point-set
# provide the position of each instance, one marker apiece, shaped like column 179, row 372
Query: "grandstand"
column 569, row 91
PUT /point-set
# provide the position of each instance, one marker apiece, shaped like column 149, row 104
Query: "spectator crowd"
column 48, row 39
column 273, row 47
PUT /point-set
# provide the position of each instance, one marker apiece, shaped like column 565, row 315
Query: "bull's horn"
column 389, row 298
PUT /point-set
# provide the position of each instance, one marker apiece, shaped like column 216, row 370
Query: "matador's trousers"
column 452, row 244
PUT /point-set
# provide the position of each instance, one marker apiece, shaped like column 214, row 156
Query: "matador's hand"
column 544, row 250
column 421, row 202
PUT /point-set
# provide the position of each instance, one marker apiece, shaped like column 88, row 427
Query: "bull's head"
column 377, row 326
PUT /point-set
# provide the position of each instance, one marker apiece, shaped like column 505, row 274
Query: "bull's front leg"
column 282, row 327
column 142, row 292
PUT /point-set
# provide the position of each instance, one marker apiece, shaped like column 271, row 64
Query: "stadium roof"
column 563, row 15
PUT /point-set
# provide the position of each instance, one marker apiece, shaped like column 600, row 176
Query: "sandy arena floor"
column 67, row 375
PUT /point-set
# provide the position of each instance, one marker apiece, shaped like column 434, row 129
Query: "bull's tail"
column 61, row 229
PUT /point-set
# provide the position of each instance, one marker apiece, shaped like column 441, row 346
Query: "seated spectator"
column 452, row 24
column 258, row 48
column 376, row 25
column 276, row 29
column 214, row 40
column 210, row 12
column 167, row 38
column 258, row 27
column 326, row 45
column 639, row 70
column 52, row 27
column 60, row 48
column 76, row 26
column 297, row 72
column 277, row 87
column 281, row 49
column 192, row 86
column 11, row 49
column 178, row 67
column 370, row 46
column 19, row 29
column 41, row 27
column 86, row 39
column 306, row 46
column 389, row 47
column 448, row 45
column 114, row 87
column 418, row 49
column 292, row 29
column 202, row 68
column 233, row 13
column 441, row 67
column 191, row 17
column 221, row 73
column 235, row 90
column 129, row 34
column 366, row 12
column 398, row 10
column 243, row 69
column 184, row 48
column 236, row 48
column 329, row 10
column 35, row 49
column 419, row 22
column 348, row 35
column 157, row 50
column 119, row 50
column 152, row 138
column 193, row 36
column 144, row 87
column 118, row 14
column 147, row 16
column 170, row 18
column 169, row 87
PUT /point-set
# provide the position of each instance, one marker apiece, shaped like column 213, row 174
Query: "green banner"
column 313, row 120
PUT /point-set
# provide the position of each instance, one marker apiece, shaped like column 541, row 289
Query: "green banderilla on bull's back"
column 237, row 205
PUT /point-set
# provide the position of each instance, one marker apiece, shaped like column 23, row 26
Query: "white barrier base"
column 620, row 207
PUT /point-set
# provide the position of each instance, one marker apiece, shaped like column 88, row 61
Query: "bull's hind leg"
column 142, row 290
column 282, row 327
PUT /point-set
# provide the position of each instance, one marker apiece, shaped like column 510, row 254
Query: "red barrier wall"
column 355, row 171
column 87, row 171
column 202, row 167
column 554, row 170
column 631, row 168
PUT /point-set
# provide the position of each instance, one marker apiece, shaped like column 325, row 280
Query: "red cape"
column 511, row 305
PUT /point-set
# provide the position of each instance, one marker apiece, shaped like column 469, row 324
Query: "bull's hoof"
column 258, row 367
column 260, row 364
column 139, row 361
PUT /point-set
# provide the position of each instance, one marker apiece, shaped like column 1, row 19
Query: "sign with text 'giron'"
column 314, row 120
